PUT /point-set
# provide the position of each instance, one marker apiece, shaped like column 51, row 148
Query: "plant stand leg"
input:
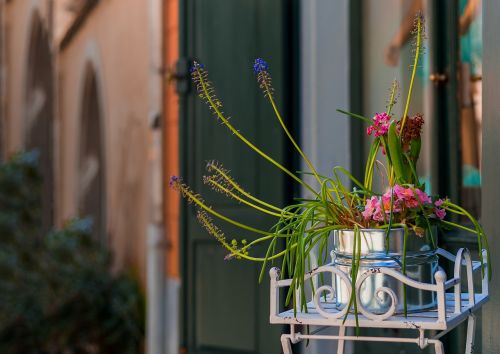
column 340, row 342
column 438, row 346
column 286, row 344
column 471, row 330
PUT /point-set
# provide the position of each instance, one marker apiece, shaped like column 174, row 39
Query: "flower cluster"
column 412, row 129
column 399, row 201
column 260, row 69
column 260, row 65
column 380, row 125
column 196, row 67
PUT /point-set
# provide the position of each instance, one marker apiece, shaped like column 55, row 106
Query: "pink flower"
column 406, row 196
column 440, row 213
column 412, row 203
column 403, row 193
column 380, row 125
column 386, row 201
column 424, row 198
column 378, row 216
column 371, row 206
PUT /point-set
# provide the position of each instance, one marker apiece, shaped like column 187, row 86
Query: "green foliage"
column 396, row 154
column 57, row 293
column 20, row 198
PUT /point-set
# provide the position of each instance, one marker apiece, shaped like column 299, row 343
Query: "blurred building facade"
column 82, row 81
column 75, row 85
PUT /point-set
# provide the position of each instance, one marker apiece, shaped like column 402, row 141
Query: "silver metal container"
column 379, row 251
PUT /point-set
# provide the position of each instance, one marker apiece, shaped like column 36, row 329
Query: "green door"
column 225, row 310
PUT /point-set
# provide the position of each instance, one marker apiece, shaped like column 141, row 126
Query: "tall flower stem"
column 241, row 253
column 392, row 97
column 289, row 135
column 392, row 102
column 193, row 198
column 418, row 47
column 207, row 94
column 243, row 192
column 230, row 193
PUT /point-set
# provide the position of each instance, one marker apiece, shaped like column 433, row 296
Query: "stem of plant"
column 414, row 71
column 245, row 140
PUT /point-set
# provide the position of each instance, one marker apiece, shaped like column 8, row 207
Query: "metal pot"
column 379, row 251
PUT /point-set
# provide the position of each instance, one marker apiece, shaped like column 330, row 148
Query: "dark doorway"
column 92, row 196
column 225, row 310
column 39, row 103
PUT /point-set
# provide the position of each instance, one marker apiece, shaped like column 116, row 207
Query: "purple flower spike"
column 260, row 65
column 196, row 66
column 173, row 181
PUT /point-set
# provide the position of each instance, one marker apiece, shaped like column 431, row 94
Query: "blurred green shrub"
column 57, row 292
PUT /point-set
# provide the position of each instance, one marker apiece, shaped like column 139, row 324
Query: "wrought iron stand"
column 452, row 308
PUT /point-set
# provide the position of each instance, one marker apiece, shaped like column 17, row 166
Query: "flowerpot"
column 379, row 250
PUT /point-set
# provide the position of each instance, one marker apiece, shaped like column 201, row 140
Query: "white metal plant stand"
column 452, row 307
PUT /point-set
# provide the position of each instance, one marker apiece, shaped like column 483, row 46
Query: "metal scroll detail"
column 391, row 310
column 378, row 296
column 322, row 300
column 331, row 294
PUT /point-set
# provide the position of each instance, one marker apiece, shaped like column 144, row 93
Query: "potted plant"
column 395, row 228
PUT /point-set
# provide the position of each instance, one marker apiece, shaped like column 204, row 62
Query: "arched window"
column 92, row 193
column 39, row 112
